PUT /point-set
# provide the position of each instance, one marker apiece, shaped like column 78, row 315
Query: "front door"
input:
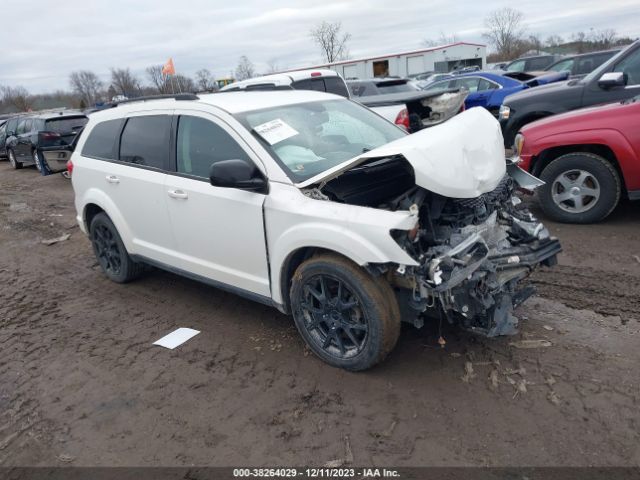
column 219, row 231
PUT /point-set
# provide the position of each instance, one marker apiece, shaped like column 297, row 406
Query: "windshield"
column 308, row 138
column 517, row 66
column 562, row 65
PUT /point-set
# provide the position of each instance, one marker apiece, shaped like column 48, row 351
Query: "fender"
column 362, row 234
column 99, row 198
column 616, row 141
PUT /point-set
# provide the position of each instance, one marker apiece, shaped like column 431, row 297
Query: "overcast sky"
column 45, row 40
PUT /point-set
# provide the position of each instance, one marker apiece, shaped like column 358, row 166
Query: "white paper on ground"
column 176, row 338
column 275, row 131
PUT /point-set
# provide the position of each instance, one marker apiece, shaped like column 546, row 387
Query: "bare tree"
column 273, row 66
column 535, row 42
column 124, row 82
column 245, row 69
column 87, row 85
column 17, row 97
column 182, row 84
column 505, row 31
column 443, row 39
column 603, row 38
column 205, row 81
column 158, row 80
column 553, row 41
column 331, row 40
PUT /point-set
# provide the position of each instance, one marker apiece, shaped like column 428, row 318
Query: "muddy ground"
column 81, row 384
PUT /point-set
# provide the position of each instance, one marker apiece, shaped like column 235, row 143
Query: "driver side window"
column 631, row 66
column 202, row 143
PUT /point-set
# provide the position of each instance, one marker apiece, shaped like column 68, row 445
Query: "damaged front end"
column 473, row 243
column 473, row 254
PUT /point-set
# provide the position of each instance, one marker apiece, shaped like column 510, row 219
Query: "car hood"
column 461, row 158
column 541, row 90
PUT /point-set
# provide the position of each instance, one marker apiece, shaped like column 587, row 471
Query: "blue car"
column 489, row 89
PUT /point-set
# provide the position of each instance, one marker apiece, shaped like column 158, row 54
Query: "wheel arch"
column 545, row 157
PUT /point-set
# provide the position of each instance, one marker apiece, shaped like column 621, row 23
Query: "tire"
column 12, row 160
column 580, row 187
column 41, row 163
column 110, row 252
column 359, row 324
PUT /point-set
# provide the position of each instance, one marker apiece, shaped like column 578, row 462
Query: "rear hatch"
column 57, row 140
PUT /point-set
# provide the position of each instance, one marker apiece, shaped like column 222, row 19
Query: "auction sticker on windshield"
column 275, row 131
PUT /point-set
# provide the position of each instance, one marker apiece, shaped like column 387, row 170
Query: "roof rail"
column 175, row 96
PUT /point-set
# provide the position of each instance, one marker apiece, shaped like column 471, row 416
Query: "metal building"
column 443, row 58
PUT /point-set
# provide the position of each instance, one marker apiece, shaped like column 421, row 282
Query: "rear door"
column 56, row 139
column 219, row 231
column 23, row 140
column 129, row 167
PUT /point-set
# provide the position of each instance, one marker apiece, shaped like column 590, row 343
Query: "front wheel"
column 347, row 318
column 580, row 187
column 111, row 253
column 12, row 160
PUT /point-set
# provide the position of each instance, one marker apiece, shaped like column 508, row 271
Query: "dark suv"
column 615, row 80
column 583, row 64
column 36, row 139
column 531, row 64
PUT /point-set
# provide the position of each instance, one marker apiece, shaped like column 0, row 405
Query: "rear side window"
column 145, row 141
column 202, row 143
column 101, row 142
column 539, row 63
column 323, row 84
column 65, row 125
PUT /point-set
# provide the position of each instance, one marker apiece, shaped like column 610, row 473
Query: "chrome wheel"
column 575, row 191
column 333, row 317
column 36, row 160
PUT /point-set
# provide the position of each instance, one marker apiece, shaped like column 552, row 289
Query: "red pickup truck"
column 588, row 158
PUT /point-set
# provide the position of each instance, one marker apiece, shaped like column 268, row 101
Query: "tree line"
column 504, row 31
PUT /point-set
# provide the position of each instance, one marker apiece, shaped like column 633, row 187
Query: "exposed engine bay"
column 472, row 252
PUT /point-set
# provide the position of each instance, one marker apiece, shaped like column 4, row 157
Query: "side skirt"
column 214, row 283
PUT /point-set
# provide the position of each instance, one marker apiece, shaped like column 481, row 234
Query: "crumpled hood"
column 461, row 158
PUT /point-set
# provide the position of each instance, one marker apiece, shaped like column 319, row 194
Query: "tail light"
column 402, row 120
column 316, row 74
column 70, row 167
column 49, row 136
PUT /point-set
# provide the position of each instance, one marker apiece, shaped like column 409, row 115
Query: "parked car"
column 589, row 159
column 3, row 138
column 614, row 80
column 315, row 205
column 36, row 139
column 409, row 108
column 497, row 65
column 401, row 102
column 419, row 76
column 488, row 89
column 531, row 64
column 581, row 65
column 469, row 69
column 321, row 80
column 432, row 78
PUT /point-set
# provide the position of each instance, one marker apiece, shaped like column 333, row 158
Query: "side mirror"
column 613, row 79
column 237, row 174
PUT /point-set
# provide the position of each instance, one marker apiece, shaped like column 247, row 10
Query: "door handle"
column 178, row 194
column 113, row 179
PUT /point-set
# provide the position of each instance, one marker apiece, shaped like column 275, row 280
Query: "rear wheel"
column 580, row 187
column 41, row 163
column 345, row 316
column 12, row 160
column 110, row 251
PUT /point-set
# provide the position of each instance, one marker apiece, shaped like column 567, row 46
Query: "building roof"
column 410, row 52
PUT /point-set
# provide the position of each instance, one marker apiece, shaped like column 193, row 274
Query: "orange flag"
column 168, row 68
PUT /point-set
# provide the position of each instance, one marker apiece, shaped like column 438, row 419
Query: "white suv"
column 313, row 204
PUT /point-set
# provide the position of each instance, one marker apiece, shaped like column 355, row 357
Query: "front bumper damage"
column 473, row 277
